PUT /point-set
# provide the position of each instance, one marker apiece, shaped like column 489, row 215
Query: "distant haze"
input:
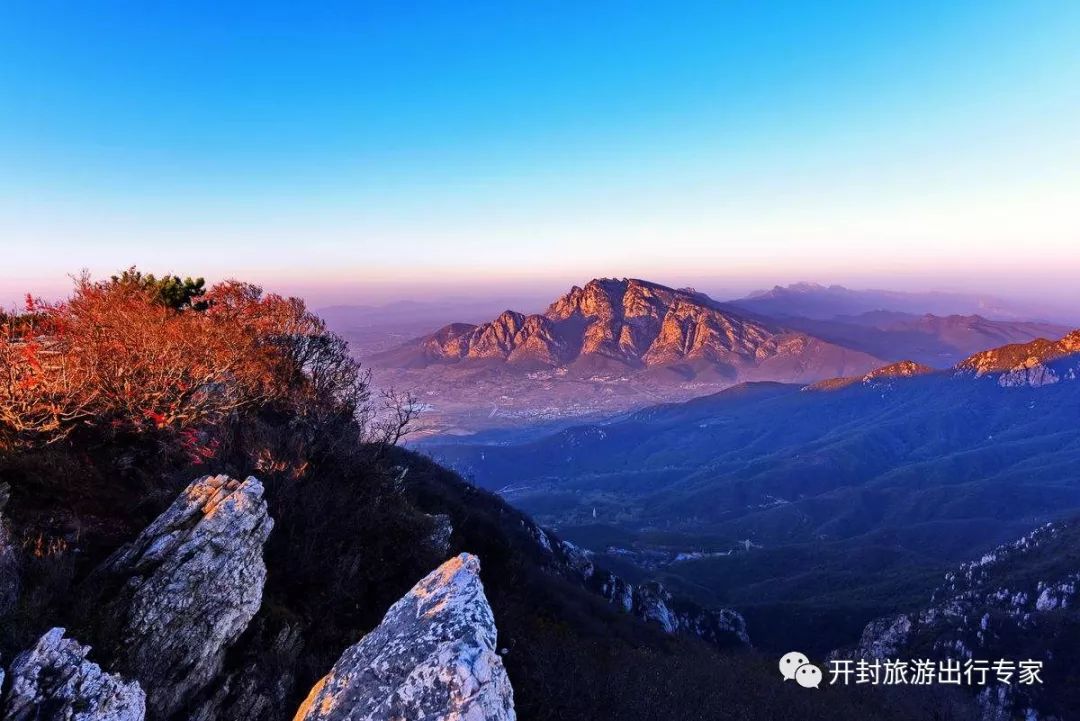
column 476, row 300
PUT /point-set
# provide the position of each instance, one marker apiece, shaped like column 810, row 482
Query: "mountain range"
column 838, row 499
column 935, row 340
column 613, row 346
column 821, row 302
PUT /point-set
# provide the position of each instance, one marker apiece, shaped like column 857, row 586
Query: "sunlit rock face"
column 901, row 369
column 1038, row 363
column 432, row 658
column 193, row 581
column 636, row 325
column 53, row 680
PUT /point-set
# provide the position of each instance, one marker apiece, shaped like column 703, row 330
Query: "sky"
column 365, row 152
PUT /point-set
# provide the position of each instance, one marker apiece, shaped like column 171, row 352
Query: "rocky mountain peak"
column 901, row 369
column 432, row 657
column 639, row 325
column 1036, row 363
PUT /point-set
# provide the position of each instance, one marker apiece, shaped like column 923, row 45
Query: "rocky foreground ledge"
column 187, row 588
column 432, row 657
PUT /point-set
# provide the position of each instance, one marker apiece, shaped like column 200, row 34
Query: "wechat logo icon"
column 795, row 666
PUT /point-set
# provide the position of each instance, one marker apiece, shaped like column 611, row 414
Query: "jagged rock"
column 653, row 603
column 578, row 559
column 432, row 658
column 9, row 561
column 53, row 680
column 1037, row 363
column 884, row 637
column 193, row 581
column 1031, row 373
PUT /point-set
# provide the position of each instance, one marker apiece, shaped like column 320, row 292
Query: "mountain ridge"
column 820, row 302
column 632, row 325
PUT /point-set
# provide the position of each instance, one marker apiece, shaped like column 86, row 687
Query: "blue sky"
column 360, row 151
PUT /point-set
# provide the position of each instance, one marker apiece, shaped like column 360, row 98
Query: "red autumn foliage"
column 113, row 359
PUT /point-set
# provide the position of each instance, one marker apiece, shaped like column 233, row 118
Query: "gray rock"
column 432, row 658
column 654, row 604
column 194, row 580
column 53, row 680
column 884, row 638
column 1031, row 373
column 578, row 560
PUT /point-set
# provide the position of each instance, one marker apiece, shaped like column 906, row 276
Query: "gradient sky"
column 364, row 151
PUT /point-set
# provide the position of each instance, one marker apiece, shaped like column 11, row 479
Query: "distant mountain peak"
column 902, row 369
column 1037, row 363
column 638, row 325
column 1018, row 355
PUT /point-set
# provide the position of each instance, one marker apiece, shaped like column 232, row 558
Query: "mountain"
column 629, row 325
column 1017, row 602
column 900, row 369
column 835, row 500
column 938, row 341
column 819, row 302
column 619, row 345
column 1039, row 362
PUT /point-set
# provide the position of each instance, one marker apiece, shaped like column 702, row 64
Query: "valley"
column 835, row 501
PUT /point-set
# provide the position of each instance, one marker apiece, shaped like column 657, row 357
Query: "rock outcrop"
column 877, row 377
column 1038, row 363
column 432, row 658
column 652, row 603
column 53, row 680
column 902, row 369
column 192, row 581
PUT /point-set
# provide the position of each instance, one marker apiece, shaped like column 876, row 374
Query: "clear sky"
column 371, row 150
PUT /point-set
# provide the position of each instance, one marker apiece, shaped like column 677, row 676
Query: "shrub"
column 133, row 355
